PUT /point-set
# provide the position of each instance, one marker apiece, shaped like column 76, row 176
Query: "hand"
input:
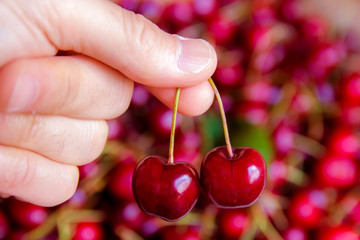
column 53, row 108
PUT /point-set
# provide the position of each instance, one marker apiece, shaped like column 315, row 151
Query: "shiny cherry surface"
column 168, row 191
column 233, row 182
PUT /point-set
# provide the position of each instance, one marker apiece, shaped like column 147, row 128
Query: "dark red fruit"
column 88, row 231
column 121, row 178
column 26, row 214
column 4, row 226
column 179, row 232
column 295, row 234
column 337, row 171
column 168, row 191
column 306, row 208
column 344, row 140
column 233, row 182
column 338, row 233
column 232, row 223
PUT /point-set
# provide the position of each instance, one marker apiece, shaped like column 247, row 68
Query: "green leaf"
column 211, row 131
column 244, row 134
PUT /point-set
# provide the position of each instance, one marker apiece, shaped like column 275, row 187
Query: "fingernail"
column 24, row 94
column 195, row 55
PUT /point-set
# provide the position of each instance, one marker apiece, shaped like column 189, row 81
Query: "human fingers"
column 124, row 40
column 28, row 176
column 66, row 140
column 193, row 100
column 72, row 86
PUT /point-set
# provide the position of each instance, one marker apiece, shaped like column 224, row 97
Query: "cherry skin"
column 165, row 190
column 121, row 179
column 26, row 214
column 307, row 208
column 233, row 182
column 336, row 170
column 232, row 223
column 4, row 226
column 338, row 232
column 88, row 231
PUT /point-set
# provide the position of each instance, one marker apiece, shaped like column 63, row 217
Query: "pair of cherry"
column 231, row 177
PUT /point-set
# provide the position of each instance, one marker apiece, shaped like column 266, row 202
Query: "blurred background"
column 289, row 76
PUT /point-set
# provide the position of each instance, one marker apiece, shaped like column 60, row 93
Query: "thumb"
column 115, row 36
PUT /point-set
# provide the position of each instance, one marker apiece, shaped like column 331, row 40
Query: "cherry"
column 232, row 223
column 205, row 8
column 165, row 190
column 151, row 9
column 284, row 138
column 160, row 121
column 229, row 75
column 337, row 233
column 129, row 215
column 295, row 233
column 181, row 12
column 131, row 5
column 306, row 208
column 26, row 214
column 233, row 182
column 343, row 140
column 89, row 170
column 179, row 232
column 4, row 226
column 232, row 177
column 121, row 178
column 116, row 129
column 336, row 171
column 88, row 231
column 222, row 29
column 315, row 28
column 140, row 96
column 253, row 112
column 351, row 89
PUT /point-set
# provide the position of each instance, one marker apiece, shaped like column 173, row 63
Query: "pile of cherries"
column 290, row 88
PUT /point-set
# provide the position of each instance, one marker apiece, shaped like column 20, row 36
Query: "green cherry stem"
column 223, row 118
column 173, row 126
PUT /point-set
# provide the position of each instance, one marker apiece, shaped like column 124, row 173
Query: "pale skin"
column 53, row 108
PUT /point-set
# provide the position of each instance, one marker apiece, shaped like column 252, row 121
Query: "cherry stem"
column 173, row 127
column 223, row 118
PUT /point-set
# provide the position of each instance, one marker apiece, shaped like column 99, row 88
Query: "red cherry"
column 164, row 190
column 338, row 233
column 343, row 140
column 160, row 120
column 129, row 215
column 233, row 182
column 4, row 227
column 88, row 231
column 205, row 8
column 89, row 170
column 306, row 209
column 336, row 171
column 116, row 128
column 295, row 234
column 221, row 29
column 255, row 113
column 27, row 214
column 121, row 178
column 179, row 232
column 232, row 222
column 351, row 89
